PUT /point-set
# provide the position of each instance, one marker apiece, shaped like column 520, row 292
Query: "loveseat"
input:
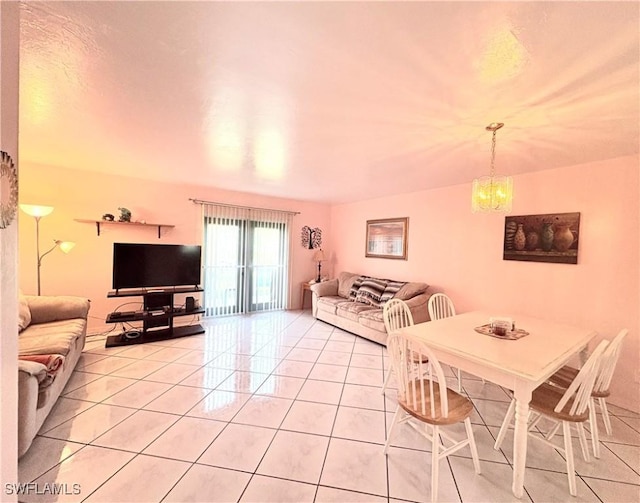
column 51, row 338
column 354, row 303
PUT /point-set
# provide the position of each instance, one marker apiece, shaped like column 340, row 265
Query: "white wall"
column 9, row 56
column 460, row 253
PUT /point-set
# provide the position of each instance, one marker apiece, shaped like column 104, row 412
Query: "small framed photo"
column 387, row 238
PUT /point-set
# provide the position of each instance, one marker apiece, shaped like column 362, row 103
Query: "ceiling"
column 327, row 101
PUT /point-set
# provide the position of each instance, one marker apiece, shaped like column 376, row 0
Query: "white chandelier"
column 493, row 192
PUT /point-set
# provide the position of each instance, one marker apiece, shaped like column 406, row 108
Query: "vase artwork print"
column 542, row 238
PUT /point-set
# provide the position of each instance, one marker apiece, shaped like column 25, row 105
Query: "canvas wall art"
column 552, row 237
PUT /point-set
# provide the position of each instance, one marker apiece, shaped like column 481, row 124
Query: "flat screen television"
column 145, row 265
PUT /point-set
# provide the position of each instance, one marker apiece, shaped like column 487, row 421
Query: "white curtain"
column 245, row 258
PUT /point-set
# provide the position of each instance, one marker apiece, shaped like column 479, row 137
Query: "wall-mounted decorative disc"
column 8, row 191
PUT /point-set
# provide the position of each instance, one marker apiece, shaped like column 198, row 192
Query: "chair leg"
column 583, row 442
column 435, row 464
column 605, row 415
column 505, row 424
column 472, row 445
column 396, row 418
column 459, row 381
column 568, row 452
column 593, row 423
column 386, row 379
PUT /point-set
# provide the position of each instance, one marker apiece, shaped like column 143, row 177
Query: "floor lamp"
column 38, row 212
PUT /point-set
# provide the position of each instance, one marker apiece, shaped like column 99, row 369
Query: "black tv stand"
column 157, row 317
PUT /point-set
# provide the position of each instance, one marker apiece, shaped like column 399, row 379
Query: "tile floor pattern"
column 281, row 407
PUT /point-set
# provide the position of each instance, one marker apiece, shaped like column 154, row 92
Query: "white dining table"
column 519, row 365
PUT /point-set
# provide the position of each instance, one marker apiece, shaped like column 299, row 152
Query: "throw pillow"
column 393, row 287
column 345, row 282
column 410, row 290
column 24, row 313
column 371, row 290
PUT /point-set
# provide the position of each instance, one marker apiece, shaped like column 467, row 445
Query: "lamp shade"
column 492, row 193
column 65, row 246
column 318, row 255
column 36, row 210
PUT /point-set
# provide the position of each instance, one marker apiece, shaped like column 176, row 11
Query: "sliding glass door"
column 246, row 264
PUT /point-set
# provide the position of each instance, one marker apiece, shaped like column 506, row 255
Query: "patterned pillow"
column 371, row 291
column 390, row 291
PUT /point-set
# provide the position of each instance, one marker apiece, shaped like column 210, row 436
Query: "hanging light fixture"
column 493, row 192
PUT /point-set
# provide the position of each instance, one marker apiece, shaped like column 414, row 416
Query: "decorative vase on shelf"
column 546, row 236
column 519, row 239
column 532, row 240
column 563, row 237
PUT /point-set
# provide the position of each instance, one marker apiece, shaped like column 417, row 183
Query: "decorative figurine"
column 108, row 217
column 125, row 215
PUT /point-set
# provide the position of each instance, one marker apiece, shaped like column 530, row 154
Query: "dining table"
column 519, row 365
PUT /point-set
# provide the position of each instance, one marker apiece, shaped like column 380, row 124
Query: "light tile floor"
column 281, row 407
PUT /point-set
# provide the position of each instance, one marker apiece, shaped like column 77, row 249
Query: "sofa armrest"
column 53, row 308
column 418, row 307
column 32, row 369
column 325, row 288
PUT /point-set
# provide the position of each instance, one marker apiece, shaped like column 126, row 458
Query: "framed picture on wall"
column 387, row 238
column 551, row 237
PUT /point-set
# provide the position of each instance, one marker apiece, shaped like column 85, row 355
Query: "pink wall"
column 87, row 270
column 460, row 253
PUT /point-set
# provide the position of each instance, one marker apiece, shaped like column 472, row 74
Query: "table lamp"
column 318, row 256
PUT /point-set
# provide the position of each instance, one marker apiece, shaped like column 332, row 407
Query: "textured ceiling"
column 329, row 102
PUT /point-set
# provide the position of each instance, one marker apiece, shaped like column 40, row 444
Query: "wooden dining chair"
column 396, row 315
column 441, row 306
column 427, row 403
column 565, row 376
column 566, row 406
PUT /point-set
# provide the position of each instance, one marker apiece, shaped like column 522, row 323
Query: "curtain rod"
column 200, row 201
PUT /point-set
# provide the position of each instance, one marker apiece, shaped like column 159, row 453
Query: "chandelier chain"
column 493, row 154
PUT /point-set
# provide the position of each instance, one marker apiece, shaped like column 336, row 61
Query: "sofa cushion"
column 352, row 310
column 410, row 290
column 371, row 290
column 328, row 303
column 372, row 319
column 345, row 282
column 55, row 337
column 24, row 313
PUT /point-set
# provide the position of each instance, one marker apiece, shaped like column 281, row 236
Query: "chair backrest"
column 396, row 315
column 609, row 361
column 440, row 306
column 410, row 375
column 582, row 385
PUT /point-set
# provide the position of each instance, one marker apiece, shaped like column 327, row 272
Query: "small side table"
column 305, row 287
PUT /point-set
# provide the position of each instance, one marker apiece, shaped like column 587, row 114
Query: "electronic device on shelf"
column 122, row 314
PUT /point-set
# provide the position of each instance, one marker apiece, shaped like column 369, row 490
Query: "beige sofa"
column 354, row 303
column 48, row 326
